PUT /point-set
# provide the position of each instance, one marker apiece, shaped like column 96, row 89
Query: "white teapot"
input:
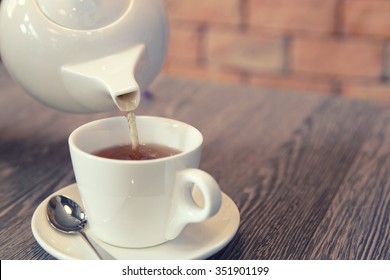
column 84, row 55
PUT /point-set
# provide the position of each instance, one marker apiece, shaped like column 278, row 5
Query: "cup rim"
column 75, row 147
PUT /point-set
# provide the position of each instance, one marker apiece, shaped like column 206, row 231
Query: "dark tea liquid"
column 136, row 151
column 142, row 152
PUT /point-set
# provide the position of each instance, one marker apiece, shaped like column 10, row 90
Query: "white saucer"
column 197, row 241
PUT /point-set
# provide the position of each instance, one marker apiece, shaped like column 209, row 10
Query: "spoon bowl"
column 65, row 215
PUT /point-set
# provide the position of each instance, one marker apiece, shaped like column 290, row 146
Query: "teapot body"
column 35, row 49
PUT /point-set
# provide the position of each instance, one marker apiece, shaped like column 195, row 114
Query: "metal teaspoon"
column 67, row 216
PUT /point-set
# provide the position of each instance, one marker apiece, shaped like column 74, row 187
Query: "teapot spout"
column 114, row 79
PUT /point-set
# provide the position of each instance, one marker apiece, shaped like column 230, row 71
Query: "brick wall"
column 323, row 46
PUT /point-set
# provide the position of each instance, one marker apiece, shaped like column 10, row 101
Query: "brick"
column 364, row 17
column 293, row 15
column 294, row 83
column 386, row 61
column 226, row 11
column 377, row 92
column 196, row 71
column 246, row 52
column 184, row 42
column 340, row 58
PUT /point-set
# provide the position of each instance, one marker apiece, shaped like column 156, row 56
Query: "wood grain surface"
column 309, row 174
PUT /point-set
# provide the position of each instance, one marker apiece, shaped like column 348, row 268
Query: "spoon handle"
column 100, row 252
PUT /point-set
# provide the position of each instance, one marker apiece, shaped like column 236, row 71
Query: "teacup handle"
column 184, row 209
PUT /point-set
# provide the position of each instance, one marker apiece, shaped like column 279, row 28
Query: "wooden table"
column 309, row 174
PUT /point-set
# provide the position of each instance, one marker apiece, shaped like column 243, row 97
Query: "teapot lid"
column 83, row 14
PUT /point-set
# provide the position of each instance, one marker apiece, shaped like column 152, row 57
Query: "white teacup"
column 142, row 203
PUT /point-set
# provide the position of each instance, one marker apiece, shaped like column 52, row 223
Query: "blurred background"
column 339, row 47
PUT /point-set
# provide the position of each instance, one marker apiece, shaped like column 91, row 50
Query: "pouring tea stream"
column 84, row 56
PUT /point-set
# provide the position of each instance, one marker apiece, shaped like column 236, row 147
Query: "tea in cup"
column 142, row 200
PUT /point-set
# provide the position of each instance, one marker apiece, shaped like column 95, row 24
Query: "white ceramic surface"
column 83, row 14
column 141, row 203
column 80, row 56
column 197, row 241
